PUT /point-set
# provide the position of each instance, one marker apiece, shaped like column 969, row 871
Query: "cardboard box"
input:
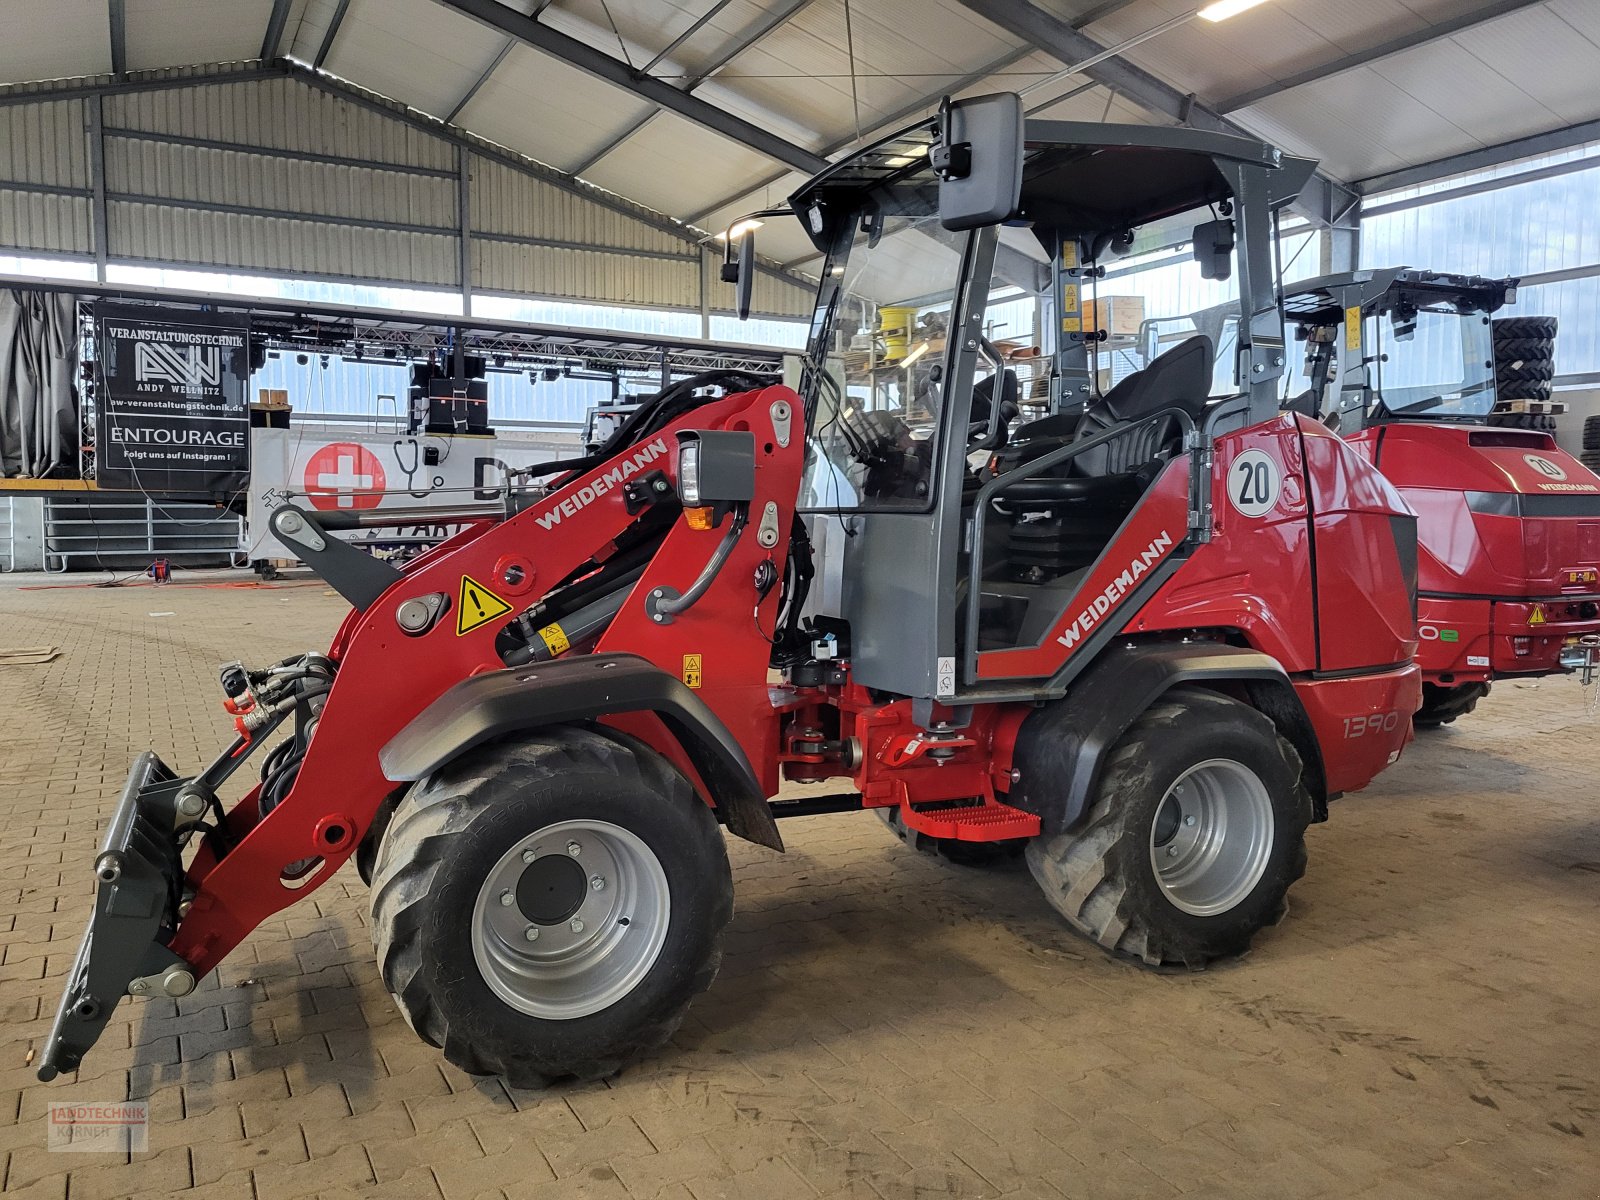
column 272, row 397
column 1117, row 315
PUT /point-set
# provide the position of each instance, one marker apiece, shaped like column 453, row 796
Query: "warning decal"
column 476, row 606
column 555, row 639
column 691, row 670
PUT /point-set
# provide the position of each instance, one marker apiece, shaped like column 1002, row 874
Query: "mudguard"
column 581, row 688
column 1062, row 746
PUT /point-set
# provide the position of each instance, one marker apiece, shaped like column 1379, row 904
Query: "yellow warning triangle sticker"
column 476, row 606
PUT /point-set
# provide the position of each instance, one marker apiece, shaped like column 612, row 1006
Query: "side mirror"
column 978, row 157
column 747, row 274
column 1213, row 249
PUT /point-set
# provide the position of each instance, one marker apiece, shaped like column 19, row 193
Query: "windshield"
column 1442, row 367
column 875, row 365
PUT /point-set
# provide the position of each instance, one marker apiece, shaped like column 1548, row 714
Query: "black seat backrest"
column 1180, row 378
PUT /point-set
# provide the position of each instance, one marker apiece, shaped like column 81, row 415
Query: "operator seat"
column 1061, row 519
column 1180, row 378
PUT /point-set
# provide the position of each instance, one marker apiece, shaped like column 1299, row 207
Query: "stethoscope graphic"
column 410, row 472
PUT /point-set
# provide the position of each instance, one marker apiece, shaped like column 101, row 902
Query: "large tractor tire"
column 1441, row 705
column 547, row 908
column 1541, row 389
column 1591, row 433
column 964, row 854
column 1516, row 328
column 1195, row 833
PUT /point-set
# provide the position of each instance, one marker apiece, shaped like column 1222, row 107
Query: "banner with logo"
column 172, row 407
column 332, row 469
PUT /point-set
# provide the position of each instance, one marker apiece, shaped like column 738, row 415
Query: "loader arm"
column 448, row 618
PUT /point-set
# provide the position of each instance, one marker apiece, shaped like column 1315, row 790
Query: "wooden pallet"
column 1537, row 408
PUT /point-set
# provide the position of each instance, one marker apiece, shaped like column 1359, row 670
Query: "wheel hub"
column 570, row 919
column 1212, row 837
column 551, row 889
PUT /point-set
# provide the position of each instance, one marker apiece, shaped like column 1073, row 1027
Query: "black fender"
column 1062, row 745
column 585, row 687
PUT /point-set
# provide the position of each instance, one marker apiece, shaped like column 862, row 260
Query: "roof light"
column 739, row 228
column 1221, row 10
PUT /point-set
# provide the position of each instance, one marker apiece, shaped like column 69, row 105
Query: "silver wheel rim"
column 581, row 957
column 1212, row 837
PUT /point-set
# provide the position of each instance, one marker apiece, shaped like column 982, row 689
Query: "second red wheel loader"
column 1402, row 361
column 1154, row 646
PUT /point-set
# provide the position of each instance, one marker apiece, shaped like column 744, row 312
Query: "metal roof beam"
column 1484, row 159
column 1325, row 201
column 1100, row 12
column 274, row 34
column 505, row 52
column 477, row 84
column 749, row 38
column 613, row 71
column 117, row 15
column 699, row 24
column 771, row 21
column 1362, row 58
column 900, row 114
column 330, row 33
column 26, row 93
column 612, row 144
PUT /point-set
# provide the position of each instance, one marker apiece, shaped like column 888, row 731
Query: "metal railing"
column 1197, row 443
column 132, row 532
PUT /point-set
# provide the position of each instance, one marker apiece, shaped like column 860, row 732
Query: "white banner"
column 340, row 465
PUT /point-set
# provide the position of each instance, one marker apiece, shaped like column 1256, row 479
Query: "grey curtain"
column 38, row 377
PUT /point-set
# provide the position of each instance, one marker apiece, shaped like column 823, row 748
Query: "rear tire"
column 1442, row 705
column 615, row 965
column 1194, row 836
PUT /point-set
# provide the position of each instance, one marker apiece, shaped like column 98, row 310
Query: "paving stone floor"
column 885, row 1025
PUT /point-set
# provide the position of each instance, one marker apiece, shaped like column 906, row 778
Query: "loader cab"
column 1395, row 345
column 963, row 467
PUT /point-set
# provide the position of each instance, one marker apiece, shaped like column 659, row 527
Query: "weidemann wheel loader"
column 1403, row 361
column 1154, row 647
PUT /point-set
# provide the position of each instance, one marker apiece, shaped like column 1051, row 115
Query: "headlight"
column 689, row 473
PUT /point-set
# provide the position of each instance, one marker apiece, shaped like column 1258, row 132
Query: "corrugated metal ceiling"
column 1522, row 73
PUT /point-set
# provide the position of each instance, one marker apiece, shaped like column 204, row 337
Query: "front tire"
column 1194, row 835
column 547, row 908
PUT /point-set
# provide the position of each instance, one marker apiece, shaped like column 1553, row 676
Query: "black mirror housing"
column 978, row 155
column 1213, row 249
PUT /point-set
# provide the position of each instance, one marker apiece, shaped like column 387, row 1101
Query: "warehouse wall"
column 295, row 174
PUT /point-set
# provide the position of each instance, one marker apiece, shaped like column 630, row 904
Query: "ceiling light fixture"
column 739, row 228
column 1218, row 10
column 1221, row 10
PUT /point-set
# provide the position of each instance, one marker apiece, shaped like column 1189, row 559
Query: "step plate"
column 975, row 823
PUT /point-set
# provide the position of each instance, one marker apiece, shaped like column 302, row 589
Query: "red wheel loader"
column 1403, row 362
column 1153, row 646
